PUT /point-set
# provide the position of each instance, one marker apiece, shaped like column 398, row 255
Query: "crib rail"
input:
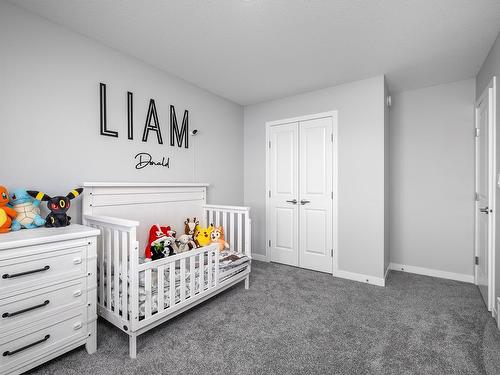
column 171, row 283
column 133, row 294
column 117, row 260
column 236, row 223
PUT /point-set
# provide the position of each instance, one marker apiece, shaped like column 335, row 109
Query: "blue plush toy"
column 28, row 211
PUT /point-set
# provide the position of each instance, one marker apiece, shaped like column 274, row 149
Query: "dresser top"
column 28, row 237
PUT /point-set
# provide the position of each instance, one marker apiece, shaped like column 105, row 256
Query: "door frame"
column 334, row 115
column 490, row 93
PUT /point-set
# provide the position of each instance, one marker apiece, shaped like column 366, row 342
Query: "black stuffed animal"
column 162, row 247
column 58, row 207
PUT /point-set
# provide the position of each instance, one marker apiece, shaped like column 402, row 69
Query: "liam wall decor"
column 152, row 128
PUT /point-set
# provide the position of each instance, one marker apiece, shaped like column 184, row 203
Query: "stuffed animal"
column 58, row 206
column 184, row 243
column 155, row 232
column 6, row 213
column 162, row 247
column 217, row 236
column 173, row 234
column 202, row 236
column 28, row 210
column 191, row 226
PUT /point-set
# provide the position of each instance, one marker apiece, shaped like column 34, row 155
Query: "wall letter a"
column 152, row 115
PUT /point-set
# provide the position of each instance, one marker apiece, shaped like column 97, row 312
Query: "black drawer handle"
column 5, row 354
column 8, row 315
column 7, row 276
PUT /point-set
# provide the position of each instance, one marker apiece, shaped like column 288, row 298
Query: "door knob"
column 484, row 210
column 304, row 201
column 294, row 201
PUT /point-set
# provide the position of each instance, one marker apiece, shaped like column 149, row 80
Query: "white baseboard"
column 495, row 313
column 260, row 257
column 359, row 277
column 432, row 272
column 387, row 272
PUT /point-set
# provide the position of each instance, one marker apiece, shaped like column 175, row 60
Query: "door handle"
column 304, row 201
column 294, row 201
column 484, row 210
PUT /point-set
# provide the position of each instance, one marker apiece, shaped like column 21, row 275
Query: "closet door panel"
column 283, row 184
column 315, row 217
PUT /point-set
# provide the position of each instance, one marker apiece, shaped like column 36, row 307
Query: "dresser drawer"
column 24, row 346
column 31, row 306
column 34, row 266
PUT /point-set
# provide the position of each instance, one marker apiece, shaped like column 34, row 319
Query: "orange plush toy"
column 217, row 236
column 6, row 213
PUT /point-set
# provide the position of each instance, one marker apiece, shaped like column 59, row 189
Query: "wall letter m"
column 181, row 135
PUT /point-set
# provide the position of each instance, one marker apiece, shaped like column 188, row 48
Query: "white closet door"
column 482, row 204
column 283, row 186
column 315, row 206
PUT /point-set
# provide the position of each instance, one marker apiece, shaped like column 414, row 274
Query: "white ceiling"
column 254, row 50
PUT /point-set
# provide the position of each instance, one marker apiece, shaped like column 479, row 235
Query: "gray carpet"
column 294, row 321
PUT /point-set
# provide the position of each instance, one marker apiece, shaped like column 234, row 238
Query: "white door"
column 315, row 190
column 300, row 223
column 283, row 194
column 482, row 199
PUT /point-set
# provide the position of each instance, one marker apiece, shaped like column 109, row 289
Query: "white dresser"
column 47, row 295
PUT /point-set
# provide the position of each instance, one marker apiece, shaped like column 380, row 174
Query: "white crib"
column 137, row 296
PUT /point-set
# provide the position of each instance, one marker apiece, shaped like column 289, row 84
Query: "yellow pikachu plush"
column 202, row 236
column 217, row 236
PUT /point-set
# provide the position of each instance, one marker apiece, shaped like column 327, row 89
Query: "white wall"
column 491, row 68
column 361, row 167
column 432, row 177
column 49, row 106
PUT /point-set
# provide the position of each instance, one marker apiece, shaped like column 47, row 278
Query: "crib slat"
column 240, row 248
column 147, row 287
column 116, row 271
column 101, row 253
column 224, row 222
column 161, row 288
column 109, row 277
column 134, row 279
column 210, row 269
column 231, row 236
column 183, row 280
column 216, row 269
column 192, row 276
column 171, row 276
column 201, row 278
column 248, row 235
column 125, row 252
